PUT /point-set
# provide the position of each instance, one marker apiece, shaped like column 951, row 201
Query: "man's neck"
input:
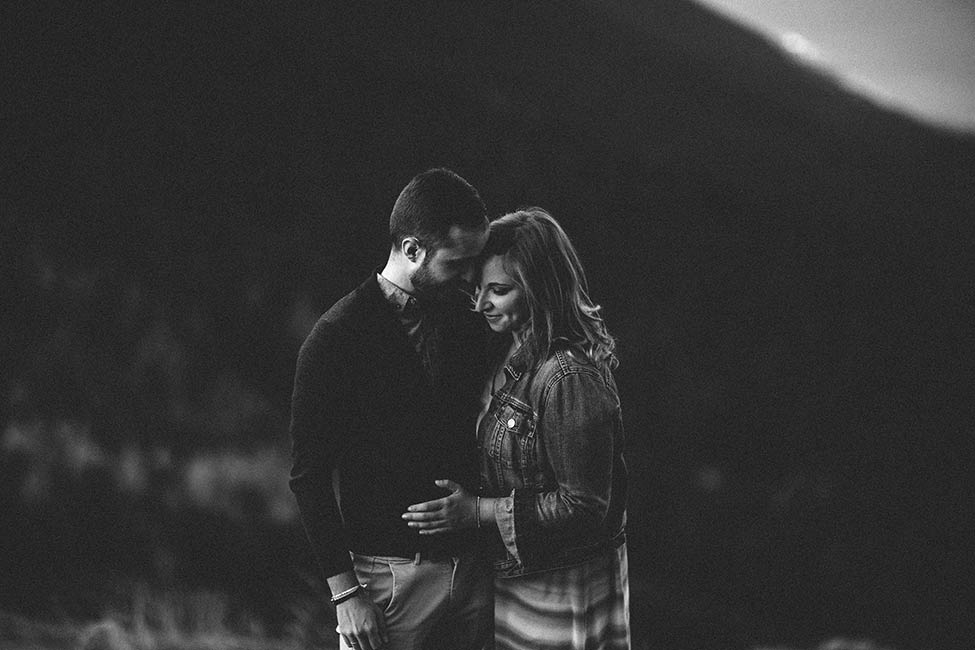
column 397, row 273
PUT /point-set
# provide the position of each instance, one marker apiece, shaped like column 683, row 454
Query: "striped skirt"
column 584, row 607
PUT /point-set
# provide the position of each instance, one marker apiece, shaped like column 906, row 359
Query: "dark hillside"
column 789, row 267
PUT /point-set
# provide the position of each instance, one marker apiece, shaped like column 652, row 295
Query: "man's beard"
column 428, row 288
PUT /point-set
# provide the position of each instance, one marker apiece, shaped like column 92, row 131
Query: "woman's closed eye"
column 492, row 290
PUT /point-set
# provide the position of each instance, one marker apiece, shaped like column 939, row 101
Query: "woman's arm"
column 459, row 509
column 577, row 428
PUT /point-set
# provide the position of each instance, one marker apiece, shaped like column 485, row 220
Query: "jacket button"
column 511, row 423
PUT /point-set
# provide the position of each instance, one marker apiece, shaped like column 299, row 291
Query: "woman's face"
column 499, row 299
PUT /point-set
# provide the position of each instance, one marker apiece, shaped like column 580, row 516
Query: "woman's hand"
column 452, row 512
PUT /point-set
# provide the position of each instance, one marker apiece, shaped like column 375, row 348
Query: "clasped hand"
column 452, row 512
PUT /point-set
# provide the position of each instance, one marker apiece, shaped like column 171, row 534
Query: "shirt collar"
column 403, row 302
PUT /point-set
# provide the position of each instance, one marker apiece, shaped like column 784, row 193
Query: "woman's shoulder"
column 565, row 360
column 572, row 372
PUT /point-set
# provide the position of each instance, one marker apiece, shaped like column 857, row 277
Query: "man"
column 385, row 401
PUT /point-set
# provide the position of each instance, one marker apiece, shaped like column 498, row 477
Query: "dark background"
column 788, row 268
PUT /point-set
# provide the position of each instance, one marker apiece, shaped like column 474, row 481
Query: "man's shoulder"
column 353, row 307
column 348, row 315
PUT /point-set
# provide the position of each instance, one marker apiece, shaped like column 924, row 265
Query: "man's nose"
column 467, row 275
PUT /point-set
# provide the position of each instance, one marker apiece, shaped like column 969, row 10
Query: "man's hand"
column 361, row 623
column 452, row 512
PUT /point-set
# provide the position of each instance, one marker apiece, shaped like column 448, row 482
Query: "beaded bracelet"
column 343, row 596
column 477, row 512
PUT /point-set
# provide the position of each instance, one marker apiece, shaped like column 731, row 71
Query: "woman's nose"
column 481, row 302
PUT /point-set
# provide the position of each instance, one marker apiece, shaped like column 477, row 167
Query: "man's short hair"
column 431, row 204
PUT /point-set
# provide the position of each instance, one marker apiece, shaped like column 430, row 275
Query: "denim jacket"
column 551, row 446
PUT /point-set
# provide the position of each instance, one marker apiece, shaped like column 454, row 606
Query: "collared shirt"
column 418, row 323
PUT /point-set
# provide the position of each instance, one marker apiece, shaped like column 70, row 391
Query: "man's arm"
column 320, row 416
column 360, row 621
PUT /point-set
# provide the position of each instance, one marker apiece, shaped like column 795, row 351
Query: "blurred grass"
column 159, row 628
column 233, row 482
column 200, row 547
column 168, row 620
column 147, row 549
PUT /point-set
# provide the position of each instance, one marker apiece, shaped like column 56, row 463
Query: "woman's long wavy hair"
column 544, row 264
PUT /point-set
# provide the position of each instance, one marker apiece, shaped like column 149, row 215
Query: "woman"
column 553, row 480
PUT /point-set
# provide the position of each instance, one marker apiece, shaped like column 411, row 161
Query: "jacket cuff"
column 505, row 516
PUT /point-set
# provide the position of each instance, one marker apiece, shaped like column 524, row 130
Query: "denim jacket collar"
column 520, row 361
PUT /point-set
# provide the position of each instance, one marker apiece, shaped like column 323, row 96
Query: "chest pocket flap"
column 516, row 419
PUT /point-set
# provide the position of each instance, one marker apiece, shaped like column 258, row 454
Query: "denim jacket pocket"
column 513, row 436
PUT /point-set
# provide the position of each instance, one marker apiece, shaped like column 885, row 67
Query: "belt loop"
column 416, row 559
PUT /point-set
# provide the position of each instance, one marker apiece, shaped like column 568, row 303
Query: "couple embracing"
column 457, row 439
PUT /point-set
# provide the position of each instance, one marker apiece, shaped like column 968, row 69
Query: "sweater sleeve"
column 320, row 412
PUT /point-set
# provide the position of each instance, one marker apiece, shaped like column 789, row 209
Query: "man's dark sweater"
column 363, row 405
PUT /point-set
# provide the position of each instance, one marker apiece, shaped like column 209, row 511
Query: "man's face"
column 445, row 269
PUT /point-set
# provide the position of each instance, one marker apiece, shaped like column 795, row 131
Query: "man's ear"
column 411, row 248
